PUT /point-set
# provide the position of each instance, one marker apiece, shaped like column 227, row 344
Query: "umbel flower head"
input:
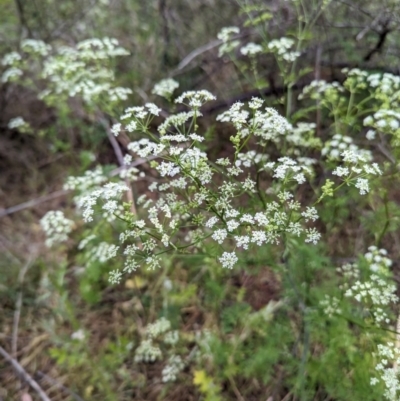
column 56, row 227
column 196, row 200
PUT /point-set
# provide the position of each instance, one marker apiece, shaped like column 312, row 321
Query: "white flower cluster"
column 350, row 272
column 173, row 367
column 338, row 144
column 165, row 88
column 386, row 82
column 330, row 305
column 287, row 169
column 261, row 227
column 78, row 335
column 176, row 124
column 89, row 188
column 246, row 159
column 102, row 253
column 187, row 206
column 384, row 97
column 56, row 227
column 388, row 354
column 101, row 49
column 158, row 336
column 378, row 260
column 355, row 79
column 90, row 180
column 147, row 352
column 12, row 74
column 281, row 48
column 228, row 44
column 303, row 136
column 109, row 193
column 11, row 59
column 18, row 122
column 384, row 121
column 136, row 118
column 185, row 193
column 35, row 47
column 377, row 292
column 159, row 327
column 374, row 290
column 268, row 124
column 71, row 71
column 228, row 259
column 171, row 337
column 326, row 92
column 195, row 99
column 251, row 49
column 357, row 170
column 385, row 88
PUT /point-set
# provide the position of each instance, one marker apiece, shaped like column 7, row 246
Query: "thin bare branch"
column 120, row 158
column 18, row 306
column 32, row 202
column 197, row 52
column 372, row 25
column 25, row 375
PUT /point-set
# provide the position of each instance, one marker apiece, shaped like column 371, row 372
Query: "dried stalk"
column 25, row 375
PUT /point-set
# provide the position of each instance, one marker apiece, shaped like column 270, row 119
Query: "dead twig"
column 32, row 202
column 18, row 306
column 25, row 375
column 372, row 25
column 197, row 52
column 120, row 158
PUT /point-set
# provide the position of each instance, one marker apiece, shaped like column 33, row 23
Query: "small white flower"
column 248, row 218
column 165, row 88
column 226, row 33
column 255, row 103
column 115, row 277
column 259, row 237
column 172, row 369
column 310, row 214
column 341, row 171
column 153, row 109
column 17, row 123
column 312, row 236
column 78, row 335
column 242, row 241
column 219, row 235
column 251, row 49
column 362, row 185
column 132, row 126
column 228, row 259
column 116, row 129
column 56, row 227
column 232, row 225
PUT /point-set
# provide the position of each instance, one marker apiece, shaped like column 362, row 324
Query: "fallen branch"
column 195, row 53
column 32, row 202
column 25, row 375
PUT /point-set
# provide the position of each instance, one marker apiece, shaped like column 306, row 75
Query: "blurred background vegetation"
column 43, row 293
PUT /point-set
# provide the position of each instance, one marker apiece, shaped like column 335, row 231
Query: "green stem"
column 387, row 222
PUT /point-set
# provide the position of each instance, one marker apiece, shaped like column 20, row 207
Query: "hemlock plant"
column 265, row 193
